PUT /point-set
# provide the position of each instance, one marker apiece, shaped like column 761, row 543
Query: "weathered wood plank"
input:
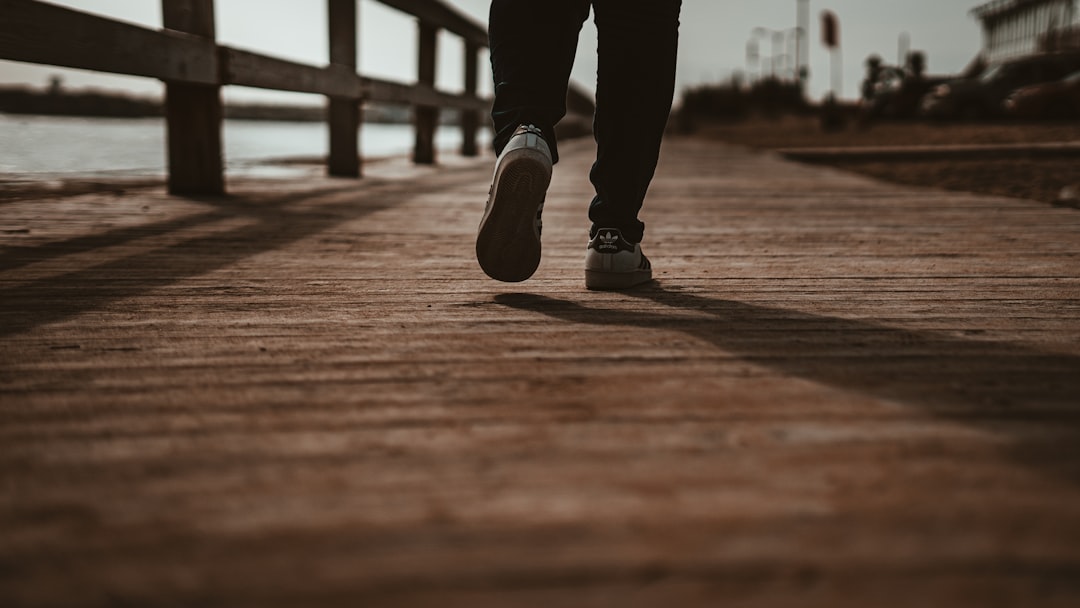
column 254, row 70
column 193, row 112
column 30, row 28
column 186, row 57
column 470, row 119
column 30, row 31
column 439, row 15
column 839, row 393
column 425, row 117
column 419, row 95
column 249, row 69
column 343, row 115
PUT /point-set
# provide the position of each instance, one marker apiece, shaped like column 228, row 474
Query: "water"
column 48, row 146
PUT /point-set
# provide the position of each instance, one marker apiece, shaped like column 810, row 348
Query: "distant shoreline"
column 100, row 104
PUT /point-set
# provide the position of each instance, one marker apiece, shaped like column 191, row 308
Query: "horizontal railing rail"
column 185, row 55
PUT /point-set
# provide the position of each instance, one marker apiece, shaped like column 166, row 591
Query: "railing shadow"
column 272, row 222
column 1003, row 388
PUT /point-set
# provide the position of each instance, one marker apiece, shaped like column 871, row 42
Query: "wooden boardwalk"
column 838, row 393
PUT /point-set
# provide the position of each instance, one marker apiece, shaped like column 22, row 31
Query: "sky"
column 713, row 40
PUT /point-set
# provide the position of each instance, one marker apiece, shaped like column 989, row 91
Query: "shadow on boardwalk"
column 266, row 223
column 839, row 393
column 1000, row 387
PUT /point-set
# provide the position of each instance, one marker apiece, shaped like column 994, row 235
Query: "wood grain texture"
column 439, row 14
column 470, row 119
column 838, row 393
column 425, row 118
column 193, row 112
column 343, row 115
column 39, row 32
column 29, row 31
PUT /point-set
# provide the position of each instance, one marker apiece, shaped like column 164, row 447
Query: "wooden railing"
column 186, row 56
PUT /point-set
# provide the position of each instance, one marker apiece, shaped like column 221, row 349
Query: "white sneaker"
column 508, row 241
column 612, row 262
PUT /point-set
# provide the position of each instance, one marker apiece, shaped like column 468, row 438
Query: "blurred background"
column 715, row 37
column 836, row 63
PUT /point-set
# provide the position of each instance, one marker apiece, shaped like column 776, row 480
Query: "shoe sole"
column 507, row 245
column 600, row 280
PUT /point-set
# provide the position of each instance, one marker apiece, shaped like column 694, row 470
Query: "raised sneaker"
column 508, row 241
column 612, row 262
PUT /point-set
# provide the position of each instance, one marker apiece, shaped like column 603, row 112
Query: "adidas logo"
column 608, row 241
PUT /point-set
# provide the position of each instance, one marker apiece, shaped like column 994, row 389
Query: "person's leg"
column 533, row 43
column 638, row 42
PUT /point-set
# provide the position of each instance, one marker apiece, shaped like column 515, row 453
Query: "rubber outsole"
column 600, row 280
column 507, row 245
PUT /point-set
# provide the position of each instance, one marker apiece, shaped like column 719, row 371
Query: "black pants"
column 533, row 43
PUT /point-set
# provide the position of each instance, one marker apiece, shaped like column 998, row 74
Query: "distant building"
column 1013, row 28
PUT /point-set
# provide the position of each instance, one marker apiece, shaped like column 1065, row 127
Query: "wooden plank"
column 194, row 17
column 470, row 119
column 343, row 120
column 38, row 32
column 442, row 16
column 343, row 114
column 174, row 55
column 30, row 26
column 839, row 393
column 387, row 91
column 193, row 112
column 933, row 152
column 342, row 32
column 254, row 70
column 193, row 119
column 248, row 69
column 426, row 118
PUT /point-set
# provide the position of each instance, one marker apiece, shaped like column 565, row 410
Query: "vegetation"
column 736, row 99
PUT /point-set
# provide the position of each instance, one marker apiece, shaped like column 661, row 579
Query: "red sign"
column 830, row 29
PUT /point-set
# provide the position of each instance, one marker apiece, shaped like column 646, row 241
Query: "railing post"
column 426, row 117
column 343, row 115
column 470, row 119
column 193, row 112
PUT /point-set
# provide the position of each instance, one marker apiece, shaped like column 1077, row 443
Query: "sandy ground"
column 1040, row 179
